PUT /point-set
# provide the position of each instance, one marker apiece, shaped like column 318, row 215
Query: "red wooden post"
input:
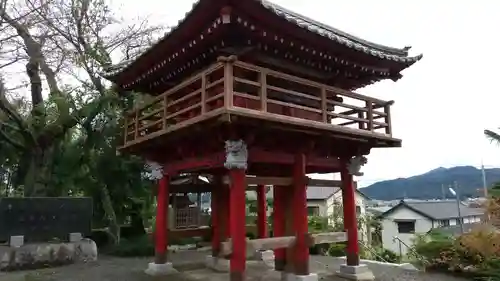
column 279, row 197
column 225, row 215
column 350, row 220
column 216, row 231
column 261, row 211
column 300, row 221
column 161, row 221
column 237, row 224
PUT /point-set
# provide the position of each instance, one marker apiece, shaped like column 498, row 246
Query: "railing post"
column 263, row 90
column 136, row 124
column 228, row 80
column 369, row 107
column 361, row 124
column 324, row 105
column 165, row 112
column 203, row 93
column 387, row 111
column 126, row 128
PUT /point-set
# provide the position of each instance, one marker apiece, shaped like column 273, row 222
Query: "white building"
column 322, row 197
column 407, row 219
column 323, row 200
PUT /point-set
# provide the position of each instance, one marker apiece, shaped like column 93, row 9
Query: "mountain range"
column 434, row 184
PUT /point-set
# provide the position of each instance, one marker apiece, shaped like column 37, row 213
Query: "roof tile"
column 377, row 50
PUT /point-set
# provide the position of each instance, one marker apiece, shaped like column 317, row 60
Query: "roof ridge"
column 384, row 48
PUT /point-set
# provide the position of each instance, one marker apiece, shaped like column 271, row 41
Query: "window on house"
column 406, row 226
column 313, row 210
column 444, row 223
column 358, row 210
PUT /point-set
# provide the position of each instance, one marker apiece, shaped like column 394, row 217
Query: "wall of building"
column 320, row 204
column 390, row 229
column 361, row 205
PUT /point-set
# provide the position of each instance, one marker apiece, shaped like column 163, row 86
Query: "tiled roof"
column 439, row 210
column 340, row 37
column 444, row 209
column 320, row 192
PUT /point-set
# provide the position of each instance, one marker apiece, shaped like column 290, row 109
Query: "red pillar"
column 216, row 231
column 161, row 221
column 237, row 214
column 300, row 221
column 350, row 220
column 261, row 211
column 279, row 197
column 225, row 215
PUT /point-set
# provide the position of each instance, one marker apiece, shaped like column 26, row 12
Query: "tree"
column 65, row 142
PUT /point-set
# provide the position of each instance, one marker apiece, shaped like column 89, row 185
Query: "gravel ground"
column 190, row 264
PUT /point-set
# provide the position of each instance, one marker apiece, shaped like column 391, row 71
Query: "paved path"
column 191, row 267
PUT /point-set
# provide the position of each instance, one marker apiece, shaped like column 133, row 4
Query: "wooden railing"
column 235, row 84
column 194, row 97
column 274, row 92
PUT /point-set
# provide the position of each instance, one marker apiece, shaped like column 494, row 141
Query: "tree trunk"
column 39, row 172
column 136, row 220
column 114, row 227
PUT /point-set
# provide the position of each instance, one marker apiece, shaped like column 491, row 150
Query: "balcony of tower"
column 239, row 92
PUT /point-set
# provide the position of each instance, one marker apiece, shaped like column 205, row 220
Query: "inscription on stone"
column 42, row 219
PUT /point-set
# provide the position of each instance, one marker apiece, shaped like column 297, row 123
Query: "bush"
column 130, row 231
column 385, row 255
column 337, row 250
column 476, row 253
column 101, row 237
column 135, row 247
column 319, row 249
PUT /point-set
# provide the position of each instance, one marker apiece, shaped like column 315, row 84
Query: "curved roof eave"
column 377, row 50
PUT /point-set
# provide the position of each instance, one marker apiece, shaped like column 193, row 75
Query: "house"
column 401, row 223
column 323, row 196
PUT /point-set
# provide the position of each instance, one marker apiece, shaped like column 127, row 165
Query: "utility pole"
column 443, row 192
column 485, row 187
column 457, row 194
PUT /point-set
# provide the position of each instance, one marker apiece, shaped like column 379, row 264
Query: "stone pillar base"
column 358, row 273
column 155, row 269
column 264, row 255
column 217, row 264
column 286, row 276
column 75, row 237
column 16, row 241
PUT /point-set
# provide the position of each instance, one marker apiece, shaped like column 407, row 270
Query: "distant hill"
column 428, row 185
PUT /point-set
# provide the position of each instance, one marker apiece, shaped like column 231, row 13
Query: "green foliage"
column 337, row 250
column 101, row 237
column 385, row 255
column 137, row 247
column 474, row 254
column 318, row 224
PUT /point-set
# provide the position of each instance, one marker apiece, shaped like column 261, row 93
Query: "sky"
column 442, row 104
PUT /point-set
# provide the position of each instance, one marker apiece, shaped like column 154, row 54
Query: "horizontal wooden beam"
column 328, row 237
column 269, row 181
column 258, row 155
column 190, row 164
column 283, row 242
column 324, row 183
